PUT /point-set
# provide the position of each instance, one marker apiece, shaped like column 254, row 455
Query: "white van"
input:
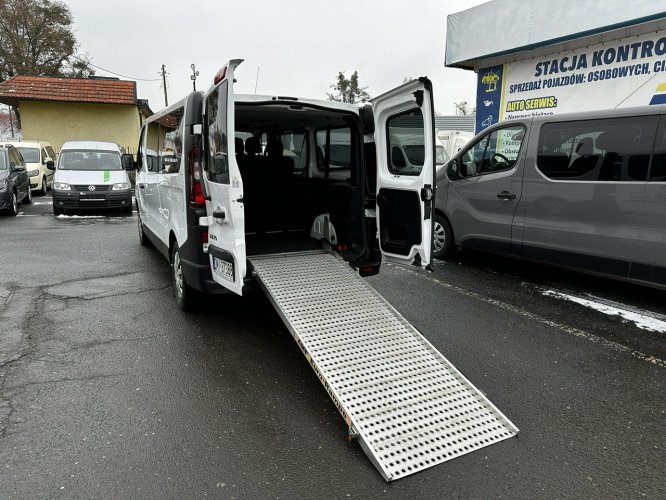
column 39, row 157
column 90, row 175
column 223, row 177
column 323, row 193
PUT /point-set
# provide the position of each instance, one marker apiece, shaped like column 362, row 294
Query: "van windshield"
column 89, row 160
column 30, row 155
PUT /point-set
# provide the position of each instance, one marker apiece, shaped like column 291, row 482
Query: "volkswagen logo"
column 91, row 188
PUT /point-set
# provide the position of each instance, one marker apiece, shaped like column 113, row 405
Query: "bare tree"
column 36, row 38
column 348, row 90
column 463, row 108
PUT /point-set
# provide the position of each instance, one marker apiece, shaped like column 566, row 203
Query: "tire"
column 185, row 296
column 44, row 187
column 128, row 210
column 143, row 239
column 13, row 207
column 27, row 200
column 58, row 211
column 442, row 236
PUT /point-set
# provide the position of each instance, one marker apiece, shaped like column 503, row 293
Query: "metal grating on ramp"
column 408, row 406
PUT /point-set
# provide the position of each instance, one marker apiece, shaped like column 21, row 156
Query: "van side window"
column 406, row 142
column 216, row 111
column 50, row 152
column 340, row 148
column 296, row 147
column 494, row 152
column 658, row 168
column 152, row 147
column 171, row 141
column 611, row 150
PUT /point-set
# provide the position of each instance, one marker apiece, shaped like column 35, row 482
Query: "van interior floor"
column 270, row 242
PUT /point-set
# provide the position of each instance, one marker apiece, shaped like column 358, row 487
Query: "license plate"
column 223, row 269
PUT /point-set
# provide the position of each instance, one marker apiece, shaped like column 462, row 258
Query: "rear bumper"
column 74, row 200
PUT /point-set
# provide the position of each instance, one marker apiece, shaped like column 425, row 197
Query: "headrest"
column 252, row 146
column 585, row 147
column 274, row 147
column 240, row 149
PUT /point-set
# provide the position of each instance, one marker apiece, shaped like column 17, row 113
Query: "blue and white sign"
column 623, row 73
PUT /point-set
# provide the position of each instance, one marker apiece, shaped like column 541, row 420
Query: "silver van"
column 585, row 191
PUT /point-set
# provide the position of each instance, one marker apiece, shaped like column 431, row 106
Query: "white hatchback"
column 38, row 155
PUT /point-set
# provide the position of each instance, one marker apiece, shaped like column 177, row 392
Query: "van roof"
column 107, row 146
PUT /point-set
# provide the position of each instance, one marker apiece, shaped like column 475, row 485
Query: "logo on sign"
column 490, row 79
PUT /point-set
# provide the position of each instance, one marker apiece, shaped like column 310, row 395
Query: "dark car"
column 14, row 180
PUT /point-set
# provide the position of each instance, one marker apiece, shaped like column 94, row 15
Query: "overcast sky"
column 298, row 45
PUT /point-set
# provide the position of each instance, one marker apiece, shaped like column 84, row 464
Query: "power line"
column 117, row 74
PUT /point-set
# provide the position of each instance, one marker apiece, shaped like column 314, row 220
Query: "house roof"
column 43, row 88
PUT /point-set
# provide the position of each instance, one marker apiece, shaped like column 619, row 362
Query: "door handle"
column 505, row 195
column 220, row 215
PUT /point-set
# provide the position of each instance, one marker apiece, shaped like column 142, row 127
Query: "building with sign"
column 541, row 58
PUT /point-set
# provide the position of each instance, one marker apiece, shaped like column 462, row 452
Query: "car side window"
column 217, row 167
column 51, row 152
column 406, row 142
column 494, row 152
column 608, row 150
column 13, row 158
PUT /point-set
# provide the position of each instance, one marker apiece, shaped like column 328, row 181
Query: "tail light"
column 204, row 236
column 194, row 167
column 341, row 248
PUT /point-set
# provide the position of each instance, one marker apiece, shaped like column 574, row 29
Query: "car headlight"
column 33, row 173
column 62, row 186
column 120, row 186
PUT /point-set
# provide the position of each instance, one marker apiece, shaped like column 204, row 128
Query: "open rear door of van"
column 225, row 210
column 404, row 138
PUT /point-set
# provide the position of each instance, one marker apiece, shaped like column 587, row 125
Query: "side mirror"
column 452, row 170
column 50, row 164
column 19, row 168
column 127, row 161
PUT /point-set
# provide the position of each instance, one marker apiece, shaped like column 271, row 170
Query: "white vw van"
column 90, row 175
column 224, row 178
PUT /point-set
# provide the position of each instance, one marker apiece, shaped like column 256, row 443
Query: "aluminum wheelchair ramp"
column 408, row 406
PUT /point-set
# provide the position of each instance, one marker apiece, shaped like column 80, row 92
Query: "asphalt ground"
column 108, row 390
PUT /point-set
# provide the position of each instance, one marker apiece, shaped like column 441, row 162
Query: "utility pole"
column 11, row 121
column 163, row 73
column 195, row 73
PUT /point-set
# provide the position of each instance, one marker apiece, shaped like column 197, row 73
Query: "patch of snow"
column 643, row 319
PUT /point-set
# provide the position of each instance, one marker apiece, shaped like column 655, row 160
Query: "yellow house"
column 58, row 110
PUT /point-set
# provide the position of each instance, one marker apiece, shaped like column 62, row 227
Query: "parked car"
column 90, row 175
column 583, row 191
column 38, row 155
column 14, row 183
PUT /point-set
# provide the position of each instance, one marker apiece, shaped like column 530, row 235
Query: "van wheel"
column 143, row 239
column 58, row 211
column 28, row 197
column 185, row 296
column 44, row 187
column 442, row 238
